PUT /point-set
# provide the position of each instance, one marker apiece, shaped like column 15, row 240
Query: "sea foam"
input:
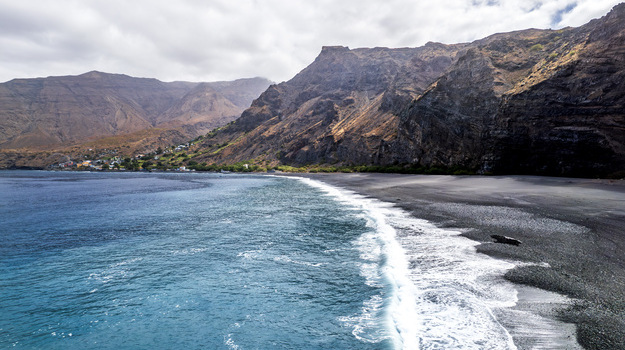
column 440, row 293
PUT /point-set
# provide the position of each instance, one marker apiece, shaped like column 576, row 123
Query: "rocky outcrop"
column 547, row 102
column 505, row 240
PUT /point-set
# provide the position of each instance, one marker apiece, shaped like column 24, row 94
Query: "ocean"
column 229, row 261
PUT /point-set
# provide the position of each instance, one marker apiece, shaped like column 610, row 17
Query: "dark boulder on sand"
column 505, row 240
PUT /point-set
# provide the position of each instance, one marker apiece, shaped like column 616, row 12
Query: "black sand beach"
column 572, row 231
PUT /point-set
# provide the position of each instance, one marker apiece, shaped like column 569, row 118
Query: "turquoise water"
column 188, row 261
column 212, row 261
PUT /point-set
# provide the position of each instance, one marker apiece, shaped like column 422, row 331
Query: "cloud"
column 223, row 39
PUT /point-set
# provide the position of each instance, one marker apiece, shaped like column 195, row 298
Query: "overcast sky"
column 209, row 40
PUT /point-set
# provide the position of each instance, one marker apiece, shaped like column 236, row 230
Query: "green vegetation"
column 537, row 47
column 173, row 161
column 197, row 139
column 398, row 169
column 221, row 147
column 131, row 164
column 190, row 157
column 240, row 167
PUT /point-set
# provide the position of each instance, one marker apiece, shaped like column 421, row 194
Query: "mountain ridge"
column 545, row 102
column 62, row 111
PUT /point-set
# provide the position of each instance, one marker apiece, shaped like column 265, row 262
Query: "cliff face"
column 579, row 128
column 342, row 108
column 534, row 101
column 61, row 111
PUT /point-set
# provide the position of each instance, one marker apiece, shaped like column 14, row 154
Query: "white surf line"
column 463, row 301
column 444, row 291
column 401, row 319
column 457, row 288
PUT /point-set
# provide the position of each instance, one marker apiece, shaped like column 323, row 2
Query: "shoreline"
column 571, row 232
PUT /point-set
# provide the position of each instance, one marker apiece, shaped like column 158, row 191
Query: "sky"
column 212, row 40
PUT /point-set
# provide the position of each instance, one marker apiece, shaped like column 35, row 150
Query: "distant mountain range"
column 548, row 102
column 56, row 112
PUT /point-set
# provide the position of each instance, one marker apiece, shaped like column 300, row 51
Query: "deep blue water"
column 193, row 261
column 212, row 261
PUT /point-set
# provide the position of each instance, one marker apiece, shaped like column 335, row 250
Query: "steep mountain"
column 533, row 101
column 536, row 102
column 57, row 112
column 340, row 108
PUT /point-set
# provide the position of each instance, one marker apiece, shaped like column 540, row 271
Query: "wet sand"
column 572, row 233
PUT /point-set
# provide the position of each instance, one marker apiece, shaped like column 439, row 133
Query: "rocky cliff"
column 342, row 108
column 57, row 112
column 534, row 101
